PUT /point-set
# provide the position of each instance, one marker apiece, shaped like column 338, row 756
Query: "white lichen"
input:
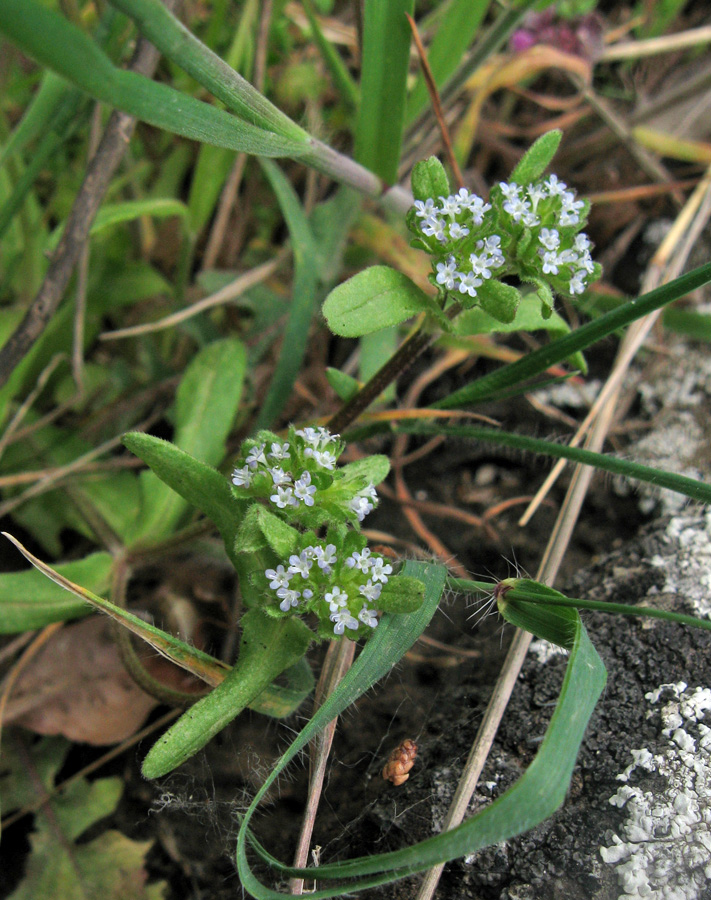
column 688, row 569
column 663, row 851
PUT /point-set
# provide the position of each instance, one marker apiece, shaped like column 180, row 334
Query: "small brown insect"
column 400, row 761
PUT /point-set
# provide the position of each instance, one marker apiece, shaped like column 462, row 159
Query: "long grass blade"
column 559, row 350
column 180, row 45
column 532, row 799
column 303, row 300
column 680, row 484
column 386, row 56
column 54, row 42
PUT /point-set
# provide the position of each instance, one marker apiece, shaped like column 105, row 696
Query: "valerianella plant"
column 530, row 231
column 295, row 484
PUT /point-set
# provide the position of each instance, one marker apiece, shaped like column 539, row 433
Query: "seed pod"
column 400, row 761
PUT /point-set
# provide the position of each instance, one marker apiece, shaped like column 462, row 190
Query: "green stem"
column 410, row 349
column 623, row 609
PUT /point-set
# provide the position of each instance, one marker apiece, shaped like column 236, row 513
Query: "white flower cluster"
column 546, row 208
column 482, row 263
column 292, row 468
column 665, row 849
column 306, row 584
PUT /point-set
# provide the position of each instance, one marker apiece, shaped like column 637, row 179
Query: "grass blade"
column 50, row 39
column 180, row 45
column 201, row 664
column 680, row 484
column 303, row 298
column 537, row 794
column 582, row 337
column 386, row 56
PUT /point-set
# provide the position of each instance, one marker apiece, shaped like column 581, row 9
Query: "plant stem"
column 406, row 354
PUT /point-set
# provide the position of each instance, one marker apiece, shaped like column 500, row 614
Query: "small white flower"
column 447, row 272
column 289, row 598
column 492, row 244
column 555, row 186
column 468, row 284
column 336, row 599
column 361, row 506
column 303, row 489
column 283, row 497
column 510, row 191
column 327, row 557
column 582, row 242
column 517, row 208
column 536, row 193
column 477, row 207
column 279, row 476
column 278, row 578
column 480, row 265
column 457, row 231
column 586, row 261
column 343, row 619
column 310, row 435
column 301, row 564
column 325, row 459
column 371, row 591
column 242, row 477
column 308, row 594
column 550, row 263
column 570, row 213
column 450, row 206
column 256, row 456
column 567, row 258
column 434, row 227
column 279, row 451
column 530, row 219
column 368, row 617
column 577, row 282
column 360, row 560
column 369, row 491
column 424, row 209
column 380, row 570
column 550, row 238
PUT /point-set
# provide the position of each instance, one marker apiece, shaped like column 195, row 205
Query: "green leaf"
column 557, row 351
column 344, row 385
column 528, row 318
column 28, row 600
column 303, row 302
column 38, row 116
column 697, row 490
column 537, row 158
column 116, row 213
column 206, row 403
column 374, row 298
column 556, row 624
column 199, row 484
column 429, row 179
column 536, row 795
column 50, row 39
column 177, row 43
column 384, row 68
column 401, row 594
column 201, row 664
column 280, row 537
column 268, row 647
column 373, row 469
column 499, row 300
column 110, row 866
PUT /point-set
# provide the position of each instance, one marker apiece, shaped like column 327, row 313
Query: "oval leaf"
column 371, row 300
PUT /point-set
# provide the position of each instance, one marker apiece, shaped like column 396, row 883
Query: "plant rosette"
column 298, row 479
column 531, row 231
